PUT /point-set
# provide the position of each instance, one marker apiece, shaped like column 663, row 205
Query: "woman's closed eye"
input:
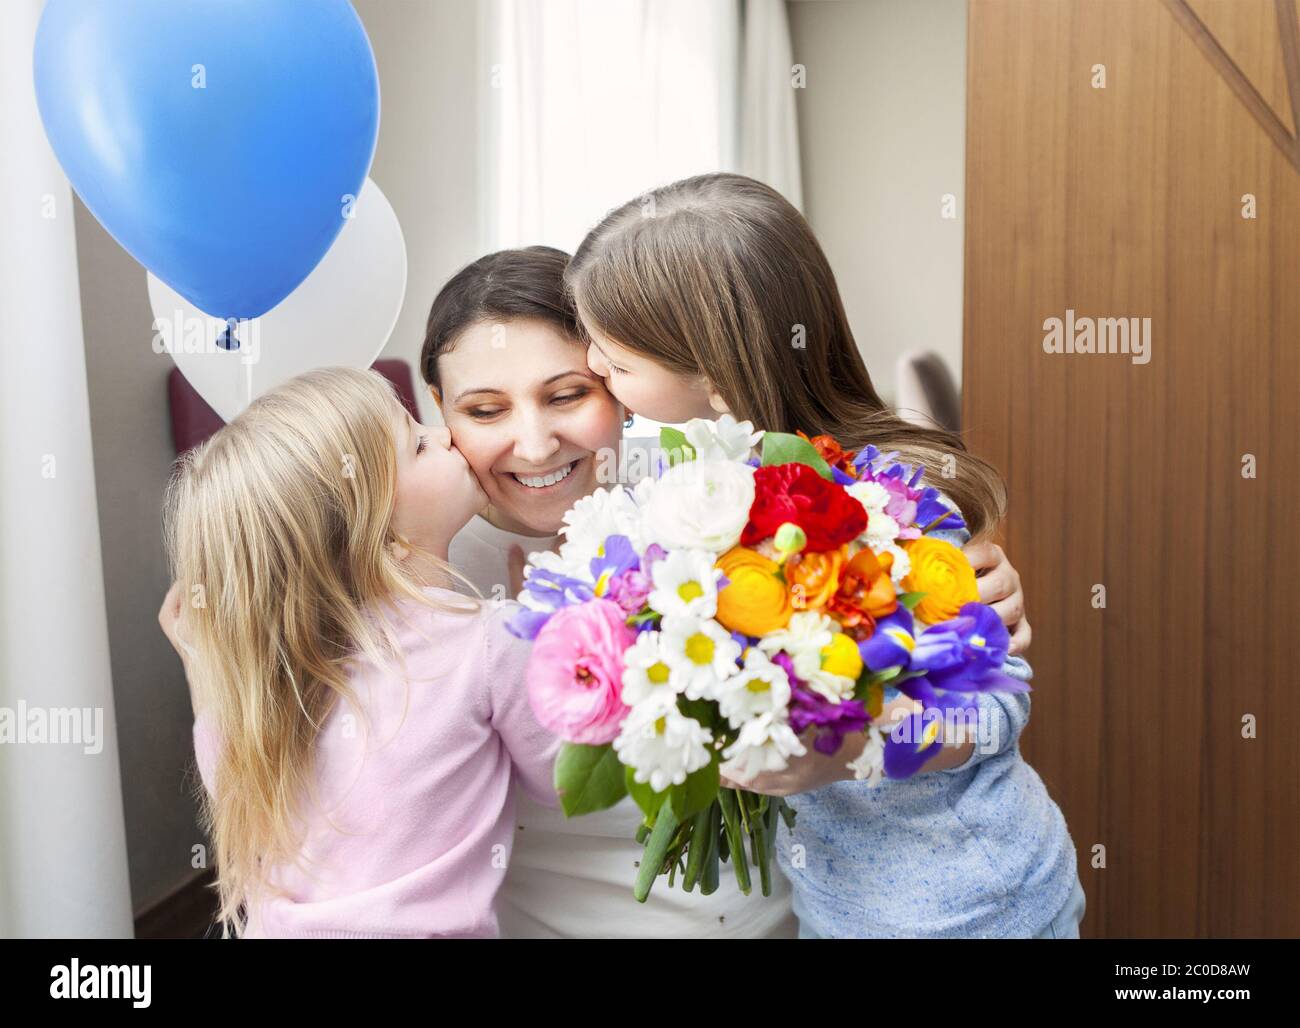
column 559, row 400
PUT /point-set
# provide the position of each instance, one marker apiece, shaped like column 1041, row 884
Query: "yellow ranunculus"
column 841, row 657
column 755, row 600
column 943, row 573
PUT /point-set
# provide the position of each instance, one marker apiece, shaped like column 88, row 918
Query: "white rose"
column 699, row 505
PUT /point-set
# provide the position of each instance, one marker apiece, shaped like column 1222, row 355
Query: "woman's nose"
column 536, row 442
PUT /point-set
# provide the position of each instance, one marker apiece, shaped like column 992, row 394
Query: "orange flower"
column 866, row 593
column 755, row 600
column 831, row 452
column 943, row 573
column 813, row 577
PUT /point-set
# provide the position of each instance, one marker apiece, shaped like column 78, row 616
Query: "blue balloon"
column 217, row 140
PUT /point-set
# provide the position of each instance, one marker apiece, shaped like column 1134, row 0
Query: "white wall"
column 882, row 130
column 426, row 161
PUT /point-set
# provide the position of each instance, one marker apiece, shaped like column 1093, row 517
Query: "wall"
column 427, row 158
column 881, row 134
column 426, row 164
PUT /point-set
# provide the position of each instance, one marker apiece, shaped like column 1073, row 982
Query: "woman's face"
column 531, row 418
column 647, row 388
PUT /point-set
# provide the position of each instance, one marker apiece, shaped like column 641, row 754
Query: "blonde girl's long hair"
column 719, row 275
column 278, row 529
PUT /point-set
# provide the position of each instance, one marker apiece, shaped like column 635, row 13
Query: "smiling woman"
column 506, row 366
column 503, row 362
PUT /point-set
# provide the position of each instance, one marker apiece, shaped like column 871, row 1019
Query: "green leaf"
column 703, row 711
column 697, row 793
column 642, row 795
column 783, row 448
column 588, row 778
column 673, row 442
column 910, row 600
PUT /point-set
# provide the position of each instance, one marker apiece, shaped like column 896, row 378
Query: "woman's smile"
column 544, row 481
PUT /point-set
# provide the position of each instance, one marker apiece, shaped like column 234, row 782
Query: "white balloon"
column 341, row 314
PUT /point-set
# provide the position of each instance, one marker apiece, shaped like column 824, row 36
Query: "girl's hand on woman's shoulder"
column 999, row 586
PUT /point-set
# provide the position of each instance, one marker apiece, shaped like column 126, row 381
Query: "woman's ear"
column 716, row 403
column 437, row 396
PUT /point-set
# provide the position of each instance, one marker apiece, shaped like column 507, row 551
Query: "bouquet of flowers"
column 762, row 590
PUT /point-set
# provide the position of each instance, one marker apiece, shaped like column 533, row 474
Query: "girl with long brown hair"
column 711, row 296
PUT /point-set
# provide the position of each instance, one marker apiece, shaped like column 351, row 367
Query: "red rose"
column 828, row 515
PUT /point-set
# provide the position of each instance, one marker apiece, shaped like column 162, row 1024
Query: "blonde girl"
column 357, row 722
column 712, row 296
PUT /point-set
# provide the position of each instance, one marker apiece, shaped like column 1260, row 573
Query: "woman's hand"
column 999, row 587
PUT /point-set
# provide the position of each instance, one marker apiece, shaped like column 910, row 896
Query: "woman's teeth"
column 540, row 482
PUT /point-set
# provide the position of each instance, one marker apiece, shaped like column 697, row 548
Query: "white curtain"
column 63, row 868
column 590, row 103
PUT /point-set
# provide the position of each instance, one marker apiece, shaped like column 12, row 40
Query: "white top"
column 572, row 877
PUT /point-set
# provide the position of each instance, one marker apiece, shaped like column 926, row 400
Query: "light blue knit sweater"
column 976, row 851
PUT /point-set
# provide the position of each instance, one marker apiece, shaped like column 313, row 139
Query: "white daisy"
column 724, row 439
column 685, row 582
column 902, row 565
column 803, row 638
column 760, row 687
column 590, row 521
column 765, row 744
column 869, row 766
column 701, row 651
column 646, row 673
column 661, row 744
column 873, row 496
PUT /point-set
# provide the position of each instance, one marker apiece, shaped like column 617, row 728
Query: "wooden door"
column 1166, row 723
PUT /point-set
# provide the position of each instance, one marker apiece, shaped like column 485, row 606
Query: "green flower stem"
column 699, row 848
column 656, row 849
column 731, row 814
column 709, row 881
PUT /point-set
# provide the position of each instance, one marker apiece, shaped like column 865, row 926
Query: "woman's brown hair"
column 719, row 275
column 501, row 286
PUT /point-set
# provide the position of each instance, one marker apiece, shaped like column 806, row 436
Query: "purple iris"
column 809, row 709
column 892, row 642
column 554, row 591
column 984, row 641
column 929, row 509
column 618, row 557
column 906, row 750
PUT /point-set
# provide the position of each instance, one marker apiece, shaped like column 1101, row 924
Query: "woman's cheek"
column 476, row 444
column 597, row 425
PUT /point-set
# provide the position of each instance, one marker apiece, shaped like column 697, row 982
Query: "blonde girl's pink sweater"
column 410, row 831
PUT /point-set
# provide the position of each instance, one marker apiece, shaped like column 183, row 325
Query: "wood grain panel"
column 1248, row 32
column 1126, row 202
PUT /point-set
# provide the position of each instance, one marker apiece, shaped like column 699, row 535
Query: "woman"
column 506, row 366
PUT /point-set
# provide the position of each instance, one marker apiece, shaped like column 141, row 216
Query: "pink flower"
column 629, row 590
column 575, row 673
